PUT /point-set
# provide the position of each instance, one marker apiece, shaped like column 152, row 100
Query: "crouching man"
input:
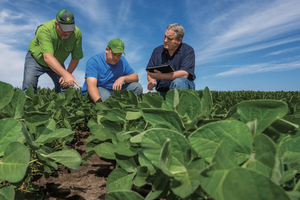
column 110, row 71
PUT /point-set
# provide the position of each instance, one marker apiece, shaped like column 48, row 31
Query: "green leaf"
column 290, row 152
column 160, row 187
column 106, row 150
column 15, row 162
column 153, row 141
column 127, row 163
column 7, row 193
column 212, row 178
column 186, row 182
column 144, row 161
column 123, row 195
column 250, row 185
column 189, row 105
column 168, row 118
column 287, row 176
column 266, row 158
column 18, row 102
column 6, row 94
column 141, row 176
column 265, row 111
column 57, row 134
column 207, row 101
column 207, row 138
column 28, row 138
column 153, row 102
column 70, row 158
column 119, row 179
column 124, row 148
column 133, row 115
column 10, row 131
column 36, row 118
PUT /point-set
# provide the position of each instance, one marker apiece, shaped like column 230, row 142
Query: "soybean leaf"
column 165, row 117
column 186, row 182
column 127, row 163
column 266, row 158
column 290, row 152
column 141, row 176
column 212, row 178
column 70, row 158
column 265, row 111
column 153, row 141
column 10, row 131
column 18, row 102
column 250, row 185
column 106, row 150
column 57, row 134
column 160, row 187
column 123, row 195
column 7, row 193
column 119, row 179
column 189, row 105
column 15, row 162
column 207, row 138
column 6, row 94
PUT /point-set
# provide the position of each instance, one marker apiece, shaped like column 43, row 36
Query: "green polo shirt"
column 47, row 40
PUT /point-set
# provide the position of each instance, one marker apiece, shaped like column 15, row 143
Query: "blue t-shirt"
column 182, row 59
column 106, row 73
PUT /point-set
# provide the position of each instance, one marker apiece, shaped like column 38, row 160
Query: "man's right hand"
column 68, row 80
column 151, row 84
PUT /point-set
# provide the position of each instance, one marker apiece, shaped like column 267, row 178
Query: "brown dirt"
column 87, row 183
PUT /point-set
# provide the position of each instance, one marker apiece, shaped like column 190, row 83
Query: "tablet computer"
column 162, row 69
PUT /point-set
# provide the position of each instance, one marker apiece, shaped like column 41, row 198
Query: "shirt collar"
column 177, row 50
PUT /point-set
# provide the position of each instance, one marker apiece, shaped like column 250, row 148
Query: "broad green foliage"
column 206, row 139
column 7, row 193
column 250, row 185
column 193, row 145
column 15, row 162
column 10, row 131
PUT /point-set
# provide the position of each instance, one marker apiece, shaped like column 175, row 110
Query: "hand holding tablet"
column 162, row 69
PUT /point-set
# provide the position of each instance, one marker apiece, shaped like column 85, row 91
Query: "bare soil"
column 87, row 183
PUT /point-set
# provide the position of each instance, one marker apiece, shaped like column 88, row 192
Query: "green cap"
column 66, row 20
column 116, row 45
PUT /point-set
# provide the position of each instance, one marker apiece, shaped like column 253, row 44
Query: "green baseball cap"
column 66, row 20
column 116, row 45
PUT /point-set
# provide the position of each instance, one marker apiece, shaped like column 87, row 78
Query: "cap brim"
column 118, row 51
column 67, row 27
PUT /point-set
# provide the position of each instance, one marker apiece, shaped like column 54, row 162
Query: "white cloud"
column 283, row 51
column 246, row 27
column 258, row 68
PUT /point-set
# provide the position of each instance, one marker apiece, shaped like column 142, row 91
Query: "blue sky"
column 239, row 44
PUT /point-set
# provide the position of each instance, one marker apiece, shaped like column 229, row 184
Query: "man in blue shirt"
column 110, row 71
column 177, row 54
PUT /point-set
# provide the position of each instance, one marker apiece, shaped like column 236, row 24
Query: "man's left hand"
column 118, row 84
column 156, row 74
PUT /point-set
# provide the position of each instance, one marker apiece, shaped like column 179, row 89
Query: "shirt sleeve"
column 151, row 61
column 91, row 68
column 45, row 41
column 77, row 53
column 188, row 62
column 127, row 69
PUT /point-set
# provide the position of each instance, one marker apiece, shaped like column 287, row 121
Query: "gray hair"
column 178, row 29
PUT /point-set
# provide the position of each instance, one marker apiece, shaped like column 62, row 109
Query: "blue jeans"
column 33, row 70
column 134, row 86
column 179, row 83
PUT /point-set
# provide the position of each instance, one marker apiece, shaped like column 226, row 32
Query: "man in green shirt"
column 54, row 41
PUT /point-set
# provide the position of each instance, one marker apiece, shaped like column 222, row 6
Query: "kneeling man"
column 110, row 71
